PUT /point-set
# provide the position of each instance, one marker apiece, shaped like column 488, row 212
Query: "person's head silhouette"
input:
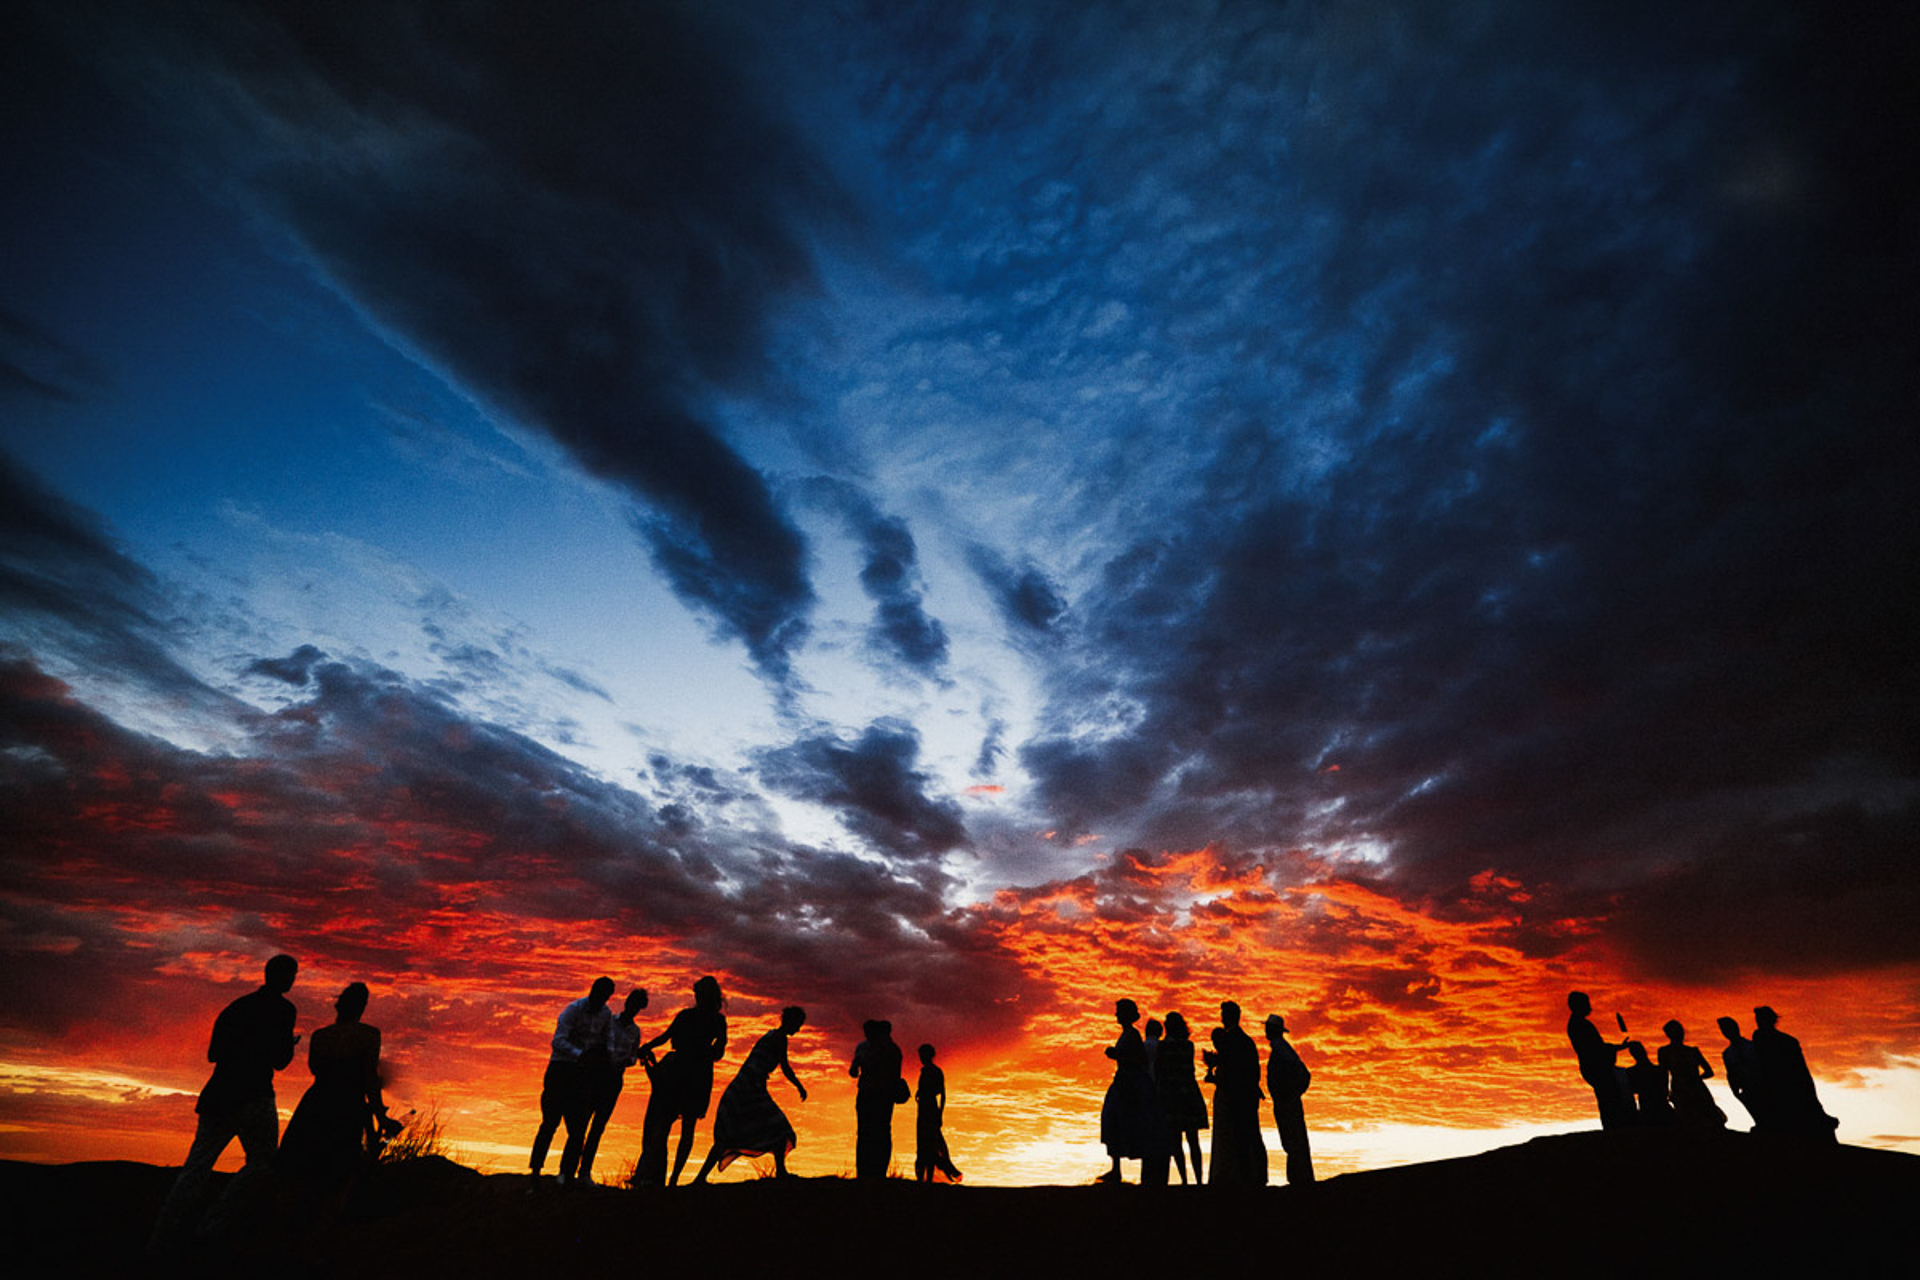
column 1126, row 1012
column 1730, row 1028
column 1676, row 1034
column 281, row 971
column 636, row 1001
column 792, row 1018
column 1177, row 1027
column 926, row 1055
column 600, row 992
column 706, row 994
column 351, row 1002
column 1229, row 1014
column 1764, row 1017
column 1577, row 1002
column 1275, row 1026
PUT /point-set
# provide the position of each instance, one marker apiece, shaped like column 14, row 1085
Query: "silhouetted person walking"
column 876, row 1065
column 579, row 1046
column 327, row 1139
column 1793, row 1106
column 1743, row 1071
column 1181, row 1101
column 750, row 1122
column 1287, row 1081
column 1687, row 1075
column 930, row 1155
column 683, row 1082
column 252, row 1038
column 1130, row 1110
column 1596, row 1057
column 1233, row 1064
column 607, row 1075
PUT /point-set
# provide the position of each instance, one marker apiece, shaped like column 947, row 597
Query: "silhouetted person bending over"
column 1233, row 1064
column 252, row 1038
column 749, row 1122
column 1687, row 1075
column 579, row 1045
column 1596, row 1058
column 1287, row 1081
column 1793, row 1107
column 930, row 1156
column 1743, row 1071
column 876, row 1065
column 607, row 1075
column 683, row 1082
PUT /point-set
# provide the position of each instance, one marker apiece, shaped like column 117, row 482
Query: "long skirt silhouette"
column 1130, row 1114
column 326, row 1138
column 750, row 1122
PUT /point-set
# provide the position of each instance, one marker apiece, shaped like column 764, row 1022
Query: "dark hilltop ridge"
column 1649, row 1203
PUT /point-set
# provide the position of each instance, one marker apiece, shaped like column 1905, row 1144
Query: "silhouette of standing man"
column 1743, row 1072
column 876, row 1065
column 579, row 1049
column 1287, row 1081
column 252, row 1038
column 1597, row 1058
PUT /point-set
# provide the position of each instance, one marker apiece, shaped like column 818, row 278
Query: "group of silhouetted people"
column 1767, row 1073
column 592, row 1050
column 1153, row 1111
column 338, row 1127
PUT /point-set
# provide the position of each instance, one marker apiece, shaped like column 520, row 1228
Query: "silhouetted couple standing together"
column 591, row 1051
column 340, row 1120
column 1154, row 1103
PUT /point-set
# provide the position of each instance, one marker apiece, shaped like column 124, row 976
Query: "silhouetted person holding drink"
column 930, row 1158
column 1597, row 1057
column 607, row 1075
column 1181, row 1101
column 327, row 1138
column 682, row 1083
column 876, row 1065
column 1287, row 1081
column 1743, row 1071
column 1793, row 1107
column 1687, row 1073
column 1233, row 1065
column 579, row 1048
column 252, row 1038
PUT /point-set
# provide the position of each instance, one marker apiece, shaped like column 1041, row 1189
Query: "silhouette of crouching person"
column 252, row 1038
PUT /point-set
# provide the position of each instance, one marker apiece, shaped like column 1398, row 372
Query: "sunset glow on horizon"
column 956, row 514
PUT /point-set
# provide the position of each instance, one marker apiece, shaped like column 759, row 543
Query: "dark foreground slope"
column 1587, row 1204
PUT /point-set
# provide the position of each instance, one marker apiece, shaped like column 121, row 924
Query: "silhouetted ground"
column 1650, row 1203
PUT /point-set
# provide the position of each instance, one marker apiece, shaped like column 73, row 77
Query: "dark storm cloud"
column 1023, row 596
column 872, row 784
column 890, row 575
column 584, row 218
column 374, row 788
column 1556, row 512
column 65, row 586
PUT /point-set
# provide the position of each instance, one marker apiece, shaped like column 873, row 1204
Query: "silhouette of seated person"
column 931, row 1160
column 1687, row 1073
column 1793, row 1106
column 252, row 1039
column 327, row 1138
column 1649, row 1085
column 1597, row 1057
column 1743, row 1072
column 1233, row 1066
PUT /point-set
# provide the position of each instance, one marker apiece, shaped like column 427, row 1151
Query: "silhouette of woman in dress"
column 1128, row 1113
column 1180, row 1098
column 1233, row 1064
column 930, row 1155
column 1687, row 1076
column 327, row 1139
column 749, row 1122
column 682, row 1082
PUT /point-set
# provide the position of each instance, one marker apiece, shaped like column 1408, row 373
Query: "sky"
column 1384, row 512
